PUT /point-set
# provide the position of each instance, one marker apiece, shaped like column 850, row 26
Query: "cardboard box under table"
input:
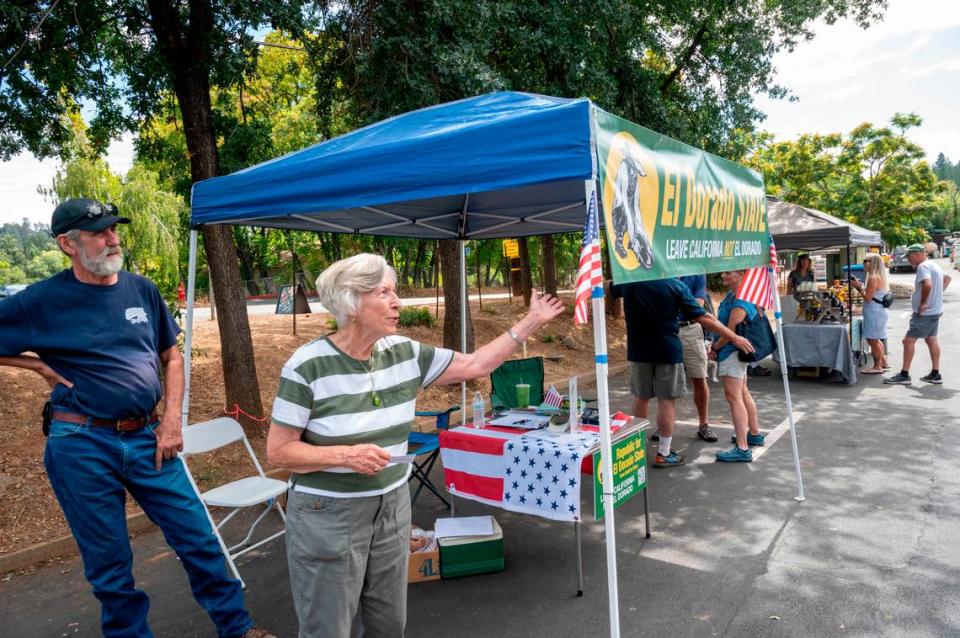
column 469, row 555
column 423, row 566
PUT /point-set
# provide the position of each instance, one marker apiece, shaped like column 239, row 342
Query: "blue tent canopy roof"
column 497, row 165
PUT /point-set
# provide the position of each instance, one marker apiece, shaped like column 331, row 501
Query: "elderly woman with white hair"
column 344, row 408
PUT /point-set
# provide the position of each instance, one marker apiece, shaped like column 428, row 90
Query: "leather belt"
column 122, row 425
column 684, row 324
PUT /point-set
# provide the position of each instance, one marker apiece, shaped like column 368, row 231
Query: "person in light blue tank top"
column 875, row 316
column 733, row 374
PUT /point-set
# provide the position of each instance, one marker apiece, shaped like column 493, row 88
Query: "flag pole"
column 778, row 315
column 603, row 405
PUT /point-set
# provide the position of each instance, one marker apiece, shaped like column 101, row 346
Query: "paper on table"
column 463, row 526
column 523, row 421
column 406, row 458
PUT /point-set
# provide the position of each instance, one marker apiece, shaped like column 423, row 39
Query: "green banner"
column 670, row 209
column 629, row 472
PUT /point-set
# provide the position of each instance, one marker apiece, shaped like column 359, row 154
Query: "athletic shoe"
column 898, row 379
column 735, row 455
column 704, row 433
column 753, row 440
column 673, row 460
column 933, row 377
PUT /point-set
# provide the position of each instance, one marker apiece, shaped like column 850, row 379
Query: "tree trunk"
column 549, row 266
column 526, row 278
column 186, row 50
column 418, row 277
column 450, row 269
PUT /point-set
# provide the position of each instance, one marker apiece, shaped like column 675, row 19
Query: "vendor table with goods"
column 824, row 345
column 530, row 471
column 823, row 334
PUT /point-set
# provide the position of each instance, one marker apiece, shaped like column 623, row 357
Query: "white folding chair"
column 246, row 492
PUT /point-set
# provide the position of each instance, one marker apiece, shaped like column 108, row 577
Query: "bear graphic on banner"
column 633, row 209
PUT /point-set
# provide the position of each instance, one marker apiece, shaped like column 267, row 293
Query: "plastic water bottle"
column 479, row 407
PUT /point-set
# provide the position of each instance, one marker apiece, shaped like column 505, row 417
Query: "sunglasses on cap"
column 97, row 210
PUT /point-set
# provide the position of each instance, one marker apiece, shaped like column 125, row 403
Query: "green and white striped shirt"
column 330, row 397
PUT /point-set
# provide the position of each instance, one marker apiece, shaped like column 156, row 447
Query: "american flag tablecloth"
column 531, row 472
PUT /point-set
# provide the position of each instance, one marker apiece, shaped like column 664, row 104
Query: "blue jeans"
column 90, row 469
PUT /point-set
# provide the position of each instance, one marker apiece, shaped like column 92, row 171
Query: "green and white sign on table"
column 629, row 472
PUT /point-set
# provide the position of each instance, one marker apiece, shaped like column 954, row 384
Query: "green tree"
column 686, row 68
column 45, row 264
column 122, row 58
column 874, row 176
column 150, row 240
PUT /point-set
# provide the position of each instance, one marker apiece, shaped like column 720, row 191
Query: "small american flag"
column 757, row 286
column 552, row 397
column 590, row 273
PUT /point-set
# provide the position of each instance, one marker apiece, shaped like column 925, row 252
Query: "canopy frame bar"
column 321, row 222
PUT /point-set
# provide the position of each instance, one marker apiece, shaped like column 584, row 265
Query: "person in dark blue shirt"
column 101, row 337
column 695, row 356
column 653, row 310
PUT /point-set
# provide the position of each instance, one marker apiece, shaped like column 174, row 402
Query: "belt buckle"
column 119, row 425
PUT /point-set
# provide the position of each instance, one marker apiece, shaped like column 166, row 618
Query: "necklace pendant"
column 376, row 398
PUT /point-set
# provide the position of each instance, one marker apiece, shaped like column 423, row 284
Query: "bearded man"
column 101, row 336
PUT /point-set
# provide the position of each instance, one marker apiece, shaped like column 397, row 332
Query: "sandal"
column 871, row 371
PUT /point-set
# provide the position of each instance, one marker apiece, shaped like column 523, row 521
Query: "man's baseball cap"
column 84, row 214
column 915, row 248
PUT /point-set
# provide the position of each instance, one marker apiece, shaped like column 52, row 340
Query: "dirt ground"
column 31, row 514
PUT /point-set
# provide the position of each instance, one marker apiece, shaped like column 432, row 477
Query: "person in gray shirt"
column 927, row 303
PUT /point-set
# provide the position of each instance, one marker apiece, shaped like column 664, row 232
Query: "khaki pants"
column 348, row 559
column 694, row 352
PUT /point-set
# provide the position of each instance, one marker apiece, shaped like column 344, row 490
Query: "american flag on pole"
column 590, row 273
column 552, row 397
column 758, row 284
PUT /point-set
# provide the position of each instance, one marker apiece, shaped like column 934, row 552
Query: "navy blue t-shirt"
column 105, row 339
column 653, row 310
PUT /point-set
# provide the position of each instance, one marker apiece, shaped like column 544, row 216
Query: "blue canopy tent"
column 494, row 166
column 498, row 165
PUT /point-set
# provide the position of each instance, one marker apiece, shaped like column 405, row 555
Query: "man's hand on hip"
column 169, row 438
column 52, row 377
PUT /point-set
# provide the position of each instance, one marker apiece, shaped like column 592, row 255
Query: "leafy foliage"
column 874, row 176
column 415, row 316
column 28, row 253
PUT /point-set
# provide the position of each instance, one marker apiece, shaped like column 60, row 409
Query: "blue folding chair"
column 428, row 444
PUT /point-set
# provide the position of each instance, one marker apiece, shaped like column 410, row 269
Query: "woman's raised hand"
column 544, row 307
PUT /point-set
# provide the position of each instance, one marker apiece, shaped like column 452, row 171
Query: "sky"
column 845, row 76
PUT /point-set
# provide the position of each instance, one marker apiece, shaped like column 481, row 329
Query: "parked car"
column 11, row 289
column 900, row 263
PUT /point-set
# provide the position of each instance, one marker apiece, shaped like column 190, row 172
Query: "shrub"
column 548, row 338
column 415, row 316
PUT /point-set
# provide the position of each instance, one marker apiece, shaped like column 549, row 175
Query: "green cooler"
column 469, row 555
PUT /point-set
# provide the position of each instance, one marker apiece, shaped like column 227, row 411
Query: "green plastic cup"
column 523, row 395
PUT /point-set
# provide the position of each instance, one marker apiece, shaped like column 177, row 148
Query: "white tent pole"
column 463, row 326
column 778, row 314
column 188, row 337
column 603, row 401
